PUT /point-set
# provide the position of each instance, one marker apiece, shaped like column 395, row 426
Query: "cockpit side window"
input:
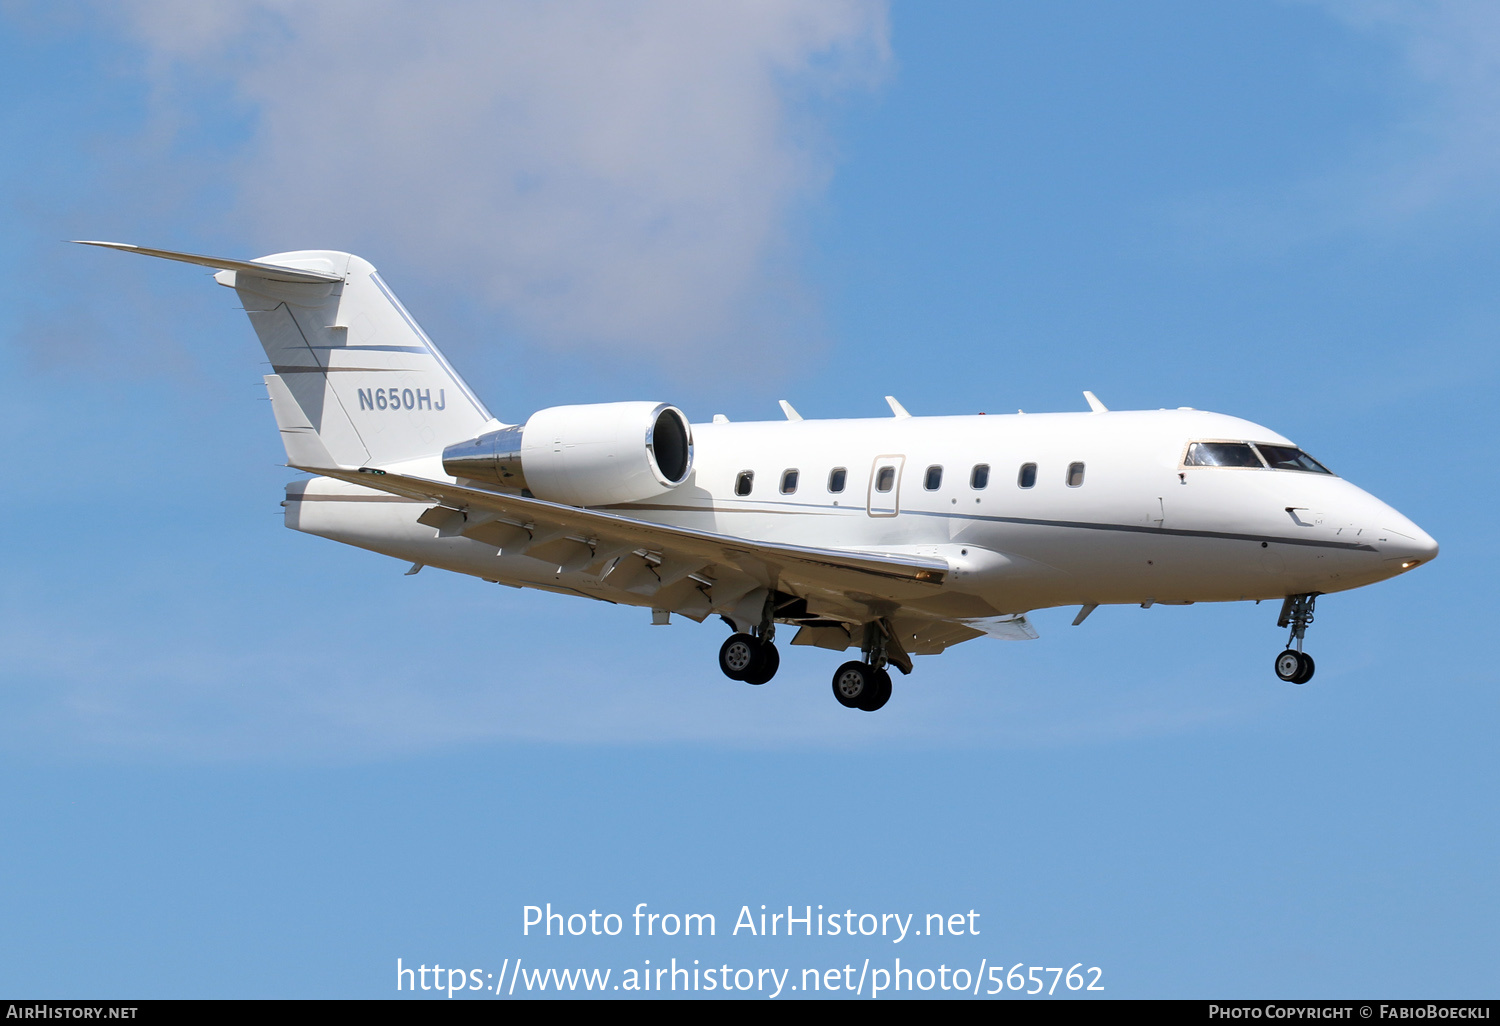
column 1286, row 457
column 1221, row 454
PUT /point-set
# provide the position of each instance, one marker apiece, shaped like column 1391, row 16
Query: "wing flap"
column 1006, row 628
column 836, row 639
column 924, row 636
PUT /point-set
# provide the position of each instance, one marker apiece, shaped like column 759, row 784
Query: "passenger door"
column 884, row 496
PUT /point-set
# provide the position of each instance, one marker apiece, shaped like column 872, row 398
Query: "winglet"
column 786, row 408
column 896, row 408
column 1094, row 403
column 271, row 272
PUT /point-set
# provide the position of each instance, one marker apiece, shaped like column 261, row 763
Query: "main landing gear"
column 1295, row 665
column 859, row 685
column 752, row 657
column 748, row 658
column 867, row 685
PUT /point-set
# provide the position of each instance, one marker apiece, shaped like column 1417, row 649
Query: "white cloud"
column 605, row 173
column 1445, row 143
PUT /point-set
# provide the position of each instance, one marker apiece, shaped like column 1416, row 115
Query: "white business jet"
column 896, row 536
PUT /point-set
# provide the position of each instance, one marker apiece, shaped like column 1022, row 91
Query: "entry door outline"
column 885, row 504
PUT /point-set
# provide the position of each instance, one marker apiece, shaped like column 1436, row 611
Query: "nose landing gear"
column 1295, row 665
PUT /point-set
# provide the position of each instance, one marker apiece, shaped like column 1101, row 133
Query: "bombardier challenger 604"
column 896, row 536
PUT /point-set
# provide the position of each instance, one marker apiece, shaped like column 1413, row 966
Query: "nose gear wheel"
column 1295, row 665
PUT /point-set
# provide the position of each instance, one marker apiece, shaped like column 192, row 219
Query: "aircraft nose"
column 1420, row 548
column 1407, row 544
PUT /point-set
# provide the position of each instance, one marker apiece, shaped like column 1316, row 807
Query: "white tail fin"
column 371, row 386
column 356, row 382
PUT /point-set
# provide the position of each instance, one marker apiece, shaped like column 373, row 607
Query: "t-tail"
column 355, row 383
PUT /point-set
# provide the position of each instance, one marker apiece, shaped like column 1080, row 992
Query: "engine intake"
column 590, row 455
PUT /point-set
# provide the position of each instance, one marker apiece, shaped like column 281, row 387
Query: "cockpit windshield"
column 1221, row 454
column 1257, row 456
column 1285, row 457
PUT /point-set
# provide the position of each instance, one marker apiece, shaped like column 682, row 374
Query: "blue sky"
column 244, row 762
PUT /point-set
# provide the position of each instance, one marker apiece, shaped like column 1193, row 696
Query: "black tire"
column 880, row 693
column 1307, row 670
column 765, row 665
column 852, row 682
column 1289, row 665
column 739, row 656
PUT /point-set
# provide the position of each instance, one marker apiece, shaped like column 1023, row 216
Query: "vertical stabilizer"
column 354, row 373
column 356, row 383
column 356, row 380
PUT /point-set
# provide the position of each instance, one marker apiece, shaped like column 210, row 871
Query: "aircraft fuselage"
column 1136, row 526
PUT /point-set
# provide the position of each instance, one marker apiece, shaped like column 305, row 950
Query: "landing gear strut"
column 1295, row 665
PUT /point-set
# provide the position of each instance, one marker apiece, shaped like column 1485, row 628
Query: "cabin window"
column 1075, row 475
column 744, row 482
column 1221, row 454
column 1027, row 477
column 788, row 482
column 1285, row 457
column 885, row 479
column 934, row 479
column 979, row 477
column 837, row 478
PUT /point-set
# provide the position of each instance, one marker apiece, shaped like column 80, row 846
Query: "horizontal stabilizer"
column 271, row 272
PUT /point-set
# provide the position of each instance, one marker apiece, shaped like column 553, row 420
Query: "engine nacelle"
column 583, row 455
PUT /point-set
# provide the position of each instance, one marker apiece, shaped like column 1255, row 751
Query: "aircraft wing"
column 583, row 538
